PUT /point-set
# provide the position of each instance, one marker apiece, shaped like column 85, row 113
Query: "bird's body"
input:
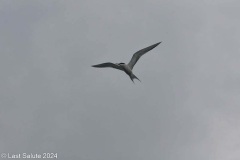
column 127, row 68
column 128, row 71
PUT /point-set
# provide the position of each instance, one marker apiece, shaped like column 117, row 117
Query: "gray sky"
column 187, row 106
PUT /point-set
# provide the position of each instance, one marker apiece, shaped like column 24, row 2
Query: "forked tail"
column 132, row 76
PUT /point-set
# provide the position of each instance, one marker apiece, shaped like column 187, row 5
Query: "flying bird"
column 127, row 68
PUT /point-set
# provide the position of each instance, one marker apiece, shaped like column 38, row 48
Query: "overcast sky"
column 187, row 106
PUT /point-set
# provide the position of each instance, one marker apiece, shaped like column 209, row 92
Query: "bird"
column 127, row 68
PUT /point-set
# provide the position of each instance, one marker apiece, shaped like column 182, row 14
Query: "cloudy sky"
column 186, row 107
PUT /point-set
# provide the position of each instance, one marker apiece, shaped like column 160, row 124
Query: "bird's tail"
column 132, row 76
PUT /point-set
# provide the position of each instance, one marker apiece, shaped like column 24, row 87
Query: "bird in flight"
column 127, row 68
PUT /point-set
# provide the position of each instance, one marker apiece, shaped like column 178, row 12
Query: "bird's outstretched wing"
column 108, row 64
column 139, row 53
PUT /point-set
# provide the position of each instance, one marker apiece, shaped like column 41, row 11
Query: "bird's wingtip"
column 157, row 43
